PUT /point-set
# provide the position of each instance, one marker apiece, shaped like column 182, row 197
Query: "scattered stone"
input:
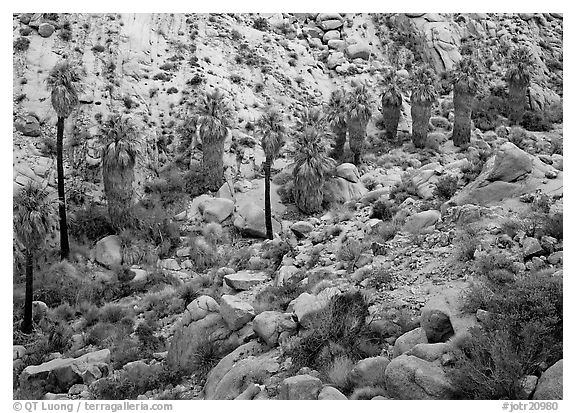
column 302, row 387
column 348, row 171
column 329, row 25
column 422, row 221
column 109, row 251
column 29, row 125
column 235, row 312
column 408, row 340
column 301, row 228
column 370, row 372
column 550, row 384
column 531, row 247
column 358, row 51
column 216, row 209
column 331, row 393
column 45, row 29
column 437, row 325
column 244, row 280
column 268, row 325
column 527, row 386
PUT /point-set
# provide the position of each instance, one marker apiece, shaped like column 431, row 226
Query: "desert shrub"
column 64, row 312
column 113, row 313
column 403, row 189
column 149, row 343
column 261, row 23
column 446, row 187
column 465, row 243
column 493, row 264
column 338, row 373
column 383, row 210
column 517, row 136
column 380, row 278
column 286, row 193
column 47, row 146
column 487, row 112
column 195, row 181
column 282, row 178
column 556, row 145
column 65, row 34
column 90, row 223
column 100, row 333
column 188, row 292
column 340, row 213
column 523, row 333
column 338, row 330
column 554, row 225
column 350, row 252
column 235, row 35
column 275, row 252
column 535, row 121
column 385, row 231
column 202, row 254
column 98, row 48
column 239, row 259
column 214, row 234
column 21, row 44
column 207, row 355
column 472, row 169
column 277, row 298
column 124, row 350
column 163, row 303
column 90, row 312
column 59, row 284
column 156, row 226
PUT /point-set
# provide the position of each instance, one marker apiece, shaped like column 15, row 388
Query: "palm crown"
column 336, row 108
column 213, row 114
column 424, row 85
column 272, row 130
column 120, row 141
column 520, row 65
column 358, row 103
column 63, row 82
column 33, row 216
column 467, row 74
column 391, row 89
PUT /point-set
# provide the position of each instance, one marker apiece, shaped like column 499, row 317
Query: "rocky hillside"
column 382, row 295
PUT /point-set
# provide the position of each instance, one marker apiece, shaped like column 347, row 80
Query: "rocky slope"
column 409, row 264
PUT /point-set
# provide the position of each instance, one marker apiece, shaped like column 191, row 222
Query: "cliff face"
column 151, row 65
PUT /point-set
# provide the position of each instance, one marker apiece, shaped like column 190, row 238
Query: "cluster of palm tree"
column 391, row 98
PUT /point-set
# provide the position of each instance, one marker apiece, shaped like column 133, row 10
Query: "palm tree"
column 518, row 77
column 62, row 82
column 213, row 116
column 359, row 113
column 272, row 131
column 338, row 120
column 33, row 218
column 120, row 150
column 421, row 99
column 391, row 104
column 466, row 82
column 311, row 164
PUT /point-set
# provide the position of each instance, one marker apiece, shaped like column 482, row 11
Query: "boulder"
column 335, row 59
column 216, row 209
column 235, row 312
column 337, row 44
column 328, row 25
column 108, row 251
column 348, row 171
column 411, row 378
column 510, row 164
column 29, row 125
column 550, row 384
column 328, row 16
column 422, row 221
column 244, row 280
column 342, row 190
column 285, row 273
column 436, row 324
column 429, row 351
column 45, row 29
column 531, row 247
column 302, row 228
column 359, row 51
column 200, row 308
column 370, row 372
column 59, row 375
column 269, row 324
column 527, row 386
column 331, row 393
column 302, row 387
column 331, row 35
column 250, row 220
column 306, row 305
column 408, row 340
column 18, row 352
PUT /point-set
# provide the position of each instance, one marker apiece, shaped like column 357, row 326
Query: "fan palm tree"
column 62, row 82
column 391, row 104
column 518, row 77
column 338, row 120
column 466, row 82
column 120, row 150
column 213, row 117
column 423, row 95
column 359, row 113
column 311, row 166
column 272, row 132
column 33, row 218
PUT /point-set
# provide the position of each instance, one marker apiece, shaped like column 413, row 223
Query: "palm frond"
column 467, row 74
column 272, row 131
column 520, row 65
column 424, row 85
column 336, row 109
column 33, row 215
column 358, row 103
column 63, row 82
column 121, row 143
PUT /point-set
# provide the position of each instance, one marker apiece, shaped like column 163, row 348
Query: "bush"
column 113, row 313
column 383, row 210
column 98, row 48
column 338, row 373
column 535, row 121
column 385, row 231
column 491, row 264
column 446, row 187
column 163, row 303
column 202, row 254
column 380, row 278
column 156, row 226
column 90, row 224
column 65, row 34
column 261, row 23
column 188, row 292
column 21, row 44
column 523, row 334
column 214, row 234
column 350, row 252
column 487, row 112
column 240, row 258
column 466, row 242
column 195, row 181
column 554, row 225
column 277, row 298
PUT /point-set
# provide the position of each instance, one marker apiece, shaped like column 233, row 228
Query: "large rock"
column 531, row 247
column 216, row 209
column 28, row 125
column 331, row 35
column 348, row 171
column 301, row 228
column 59, row 375
column 331, row 393
column 370, row 372
column 269, row 324
column 250, row 220
column 200, row 325
column 436, row 324
column 328, row 25
column 302, row 387
column 422, row 221
column 510, row 164
column 244, row 280
column 306, row 305
column 411, row 378
column 235, row 312
column 45, row 29
column 359, row 51
column 550, row 384
column 108, row 251
column 335, row 59
column 342, row 190
column 408, row 340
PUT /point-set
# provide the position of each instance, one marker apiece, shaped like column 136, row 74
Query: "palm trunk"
column 391, row 116
column 267, row 204
column 357, row 130
column 340, row 134
column 64, row 244
column 308, row 193
column 517, row 101
column 212, row 161
column 462, row 113
column 421, row 112
column 26, row 326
